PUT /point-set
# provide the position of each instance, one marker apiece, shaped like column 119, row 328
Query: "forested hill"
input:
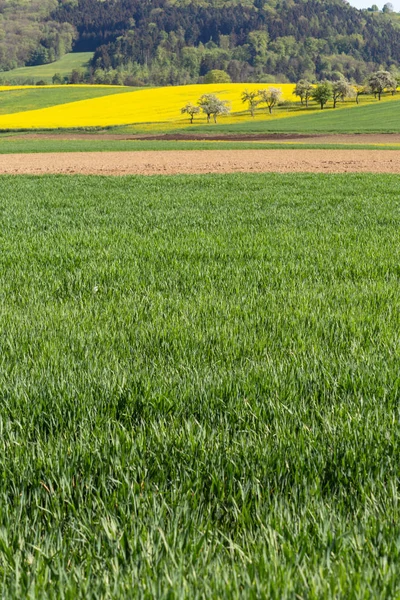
column 179, row 41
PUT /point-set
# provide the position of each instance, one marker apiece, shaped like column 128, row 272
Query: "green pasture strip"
column 387, row 108
column 244, row 123
column 26, row 146
column 64, row 66
column 20, row 100
column 380, row 117
column 199, row 385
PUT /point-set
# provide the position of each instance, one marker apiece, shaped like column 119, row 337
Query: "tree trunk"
column 270, row 110
column 208, row 118
column 357, row 99
column 334, row 102
column 379, row 95
column 191, row 118
column 306, row 101
column 215, row 118
column 322, row 105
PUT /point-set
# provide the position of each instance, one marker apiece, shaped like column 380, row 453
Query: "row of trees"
column 270, row 97
column 322, row 92
column 212, row 106
column 376, row 84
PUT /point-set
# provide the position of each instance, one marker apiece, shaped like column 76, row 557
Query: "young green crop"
column 199, row 387
column 20, row 100
column 24, row 145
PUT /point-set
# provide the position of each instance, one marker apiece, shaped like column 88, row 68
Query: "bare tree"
column 270, row 97
column 359, row 90
column 191, row 110
column 211, row 105
column 252, row 100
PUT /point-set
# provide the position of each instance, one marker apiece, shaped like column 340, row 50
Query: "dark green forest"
column 169, row 42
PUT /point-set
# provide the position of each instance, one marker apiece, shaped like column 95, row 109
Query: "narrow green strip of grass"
column 26, row 146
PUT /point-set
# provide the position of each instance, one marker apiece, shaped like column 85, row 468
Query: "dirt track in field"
column 329, row 138
column 202, row 161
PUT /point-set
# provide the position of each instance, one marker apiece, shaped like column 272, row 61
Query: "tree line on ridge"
column 165, row 42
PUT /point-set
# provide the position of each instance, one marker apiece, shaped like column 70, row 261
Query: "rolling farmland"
column 198, row 375
column 368, row 117
column 199, row 300
column 146, row 110
column 143, row 106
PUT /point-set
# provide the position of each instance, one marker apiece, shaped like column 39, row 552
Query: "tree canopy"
column 211, row 105
column 169, row 42
column 322, row 93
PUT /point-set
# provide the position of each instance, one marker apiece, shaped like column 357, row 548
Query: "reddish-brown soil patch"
column 203, row 161
column 345, row 138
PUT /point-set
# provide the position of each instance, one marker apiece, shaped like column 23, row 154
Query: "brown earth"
column 202, row 161
column 344, row 138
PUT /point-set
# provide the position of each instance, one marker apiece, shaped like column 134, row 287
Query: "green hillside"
column 18, row 100
column 378, row 117
column 64, row 66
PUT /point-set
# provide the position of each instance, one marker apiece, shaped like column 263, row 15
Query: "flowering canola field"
column 154, row 105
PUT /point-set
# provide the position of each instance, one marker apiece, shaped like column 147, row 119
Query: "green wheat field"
column 199, row 381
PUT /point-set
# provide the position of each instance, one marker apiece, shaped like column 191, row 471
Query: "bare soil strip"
column 202, row 161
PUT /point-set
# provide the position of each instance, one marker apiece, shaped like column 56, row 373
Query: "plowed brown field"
column 202, row 161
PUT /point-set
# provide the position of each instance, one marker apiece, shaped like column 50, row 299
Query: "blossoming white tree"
column 211, row 105
column 270, row 97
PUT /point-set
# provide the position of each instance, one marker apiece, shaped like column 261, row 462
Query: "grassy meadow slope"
column 199, row 387
column 377, row 116
column 64, row 66
column 27, row 99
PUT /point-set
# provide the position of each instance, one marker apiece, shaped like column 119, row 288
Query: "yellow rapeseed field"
column 150, row 105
